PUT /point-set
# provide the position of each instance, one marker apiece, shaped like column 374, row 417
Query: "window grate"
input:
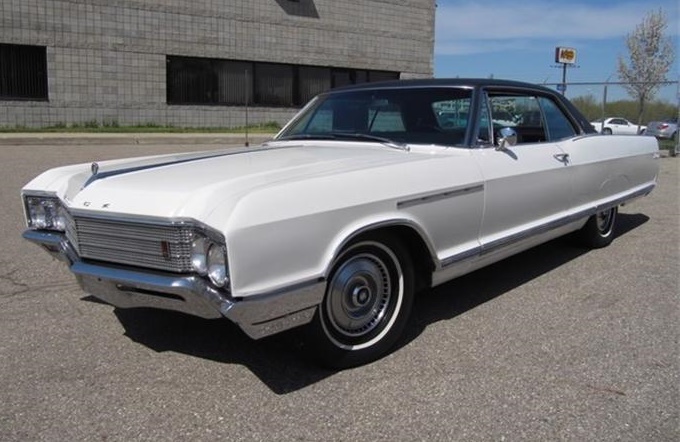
column 23, row 72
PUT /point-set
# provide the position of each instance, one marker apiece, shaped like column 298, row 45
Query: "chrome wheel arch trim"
column 374, row 227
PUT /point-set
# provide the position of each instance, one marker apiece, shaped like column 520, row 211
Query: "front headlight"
column 199, row 255
column 217, row 265
column 45, row 213
column 208, row 258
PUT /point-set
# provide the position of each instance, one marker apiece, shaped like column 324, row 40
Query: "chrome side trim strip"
column 432, row 197
column 493, row 246
column 468, row 254
column 543, row 228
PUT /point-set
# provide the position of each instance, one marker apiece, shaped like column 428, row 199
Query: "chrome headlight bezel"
column 217, row 265
column 209, row 258
column 45, row 213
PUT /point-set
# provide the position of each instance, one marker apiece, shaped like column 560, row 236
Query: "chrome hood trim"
column 99, row 175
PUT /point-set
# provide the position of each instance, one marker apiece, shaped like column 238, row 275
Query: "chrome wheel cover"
column 359, row 295
column 604, row 221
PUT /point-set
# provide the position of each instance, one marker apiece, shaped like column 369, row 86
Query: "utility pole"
column 676, row 149
column 604, row 97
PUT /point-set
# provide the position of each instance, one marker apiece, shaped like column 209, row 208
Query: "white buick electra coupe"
column 371, row 194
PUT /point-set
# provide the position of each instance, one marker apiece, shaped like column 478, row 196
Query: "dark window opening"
column 274, row 84
column 23, row 72
column 207, row 81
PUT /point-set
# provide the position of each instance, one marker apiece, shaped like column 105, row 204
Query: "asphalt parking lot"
column 558, row 343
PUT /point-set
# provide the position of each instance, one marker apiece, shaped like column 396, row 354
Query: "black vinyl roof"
column 469, row 82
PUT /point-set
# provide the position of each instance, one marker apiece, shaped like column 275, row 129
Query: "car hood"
column 192, row 185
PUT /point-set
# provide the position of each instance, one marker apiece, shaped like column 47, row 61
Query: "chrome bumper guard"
column 258, row 316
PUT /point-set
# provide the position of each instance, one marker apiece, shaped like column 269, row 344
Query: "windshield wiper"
column 361, row 136
column 346, row 135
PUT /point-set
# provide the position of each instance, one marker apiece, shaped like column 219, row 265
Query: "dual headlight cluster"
column 209, row 258
column 45, row 213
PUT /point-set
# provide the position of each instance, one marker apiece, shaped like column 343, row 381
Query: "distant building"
column 197, row 63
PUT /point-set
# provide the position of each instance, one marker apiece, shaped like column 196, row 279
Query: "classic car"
column 365, row 198
column 617, row 126
column 666, row 129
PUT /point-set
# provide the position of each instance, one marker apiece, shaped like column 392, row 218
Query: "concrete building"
column 197, row 63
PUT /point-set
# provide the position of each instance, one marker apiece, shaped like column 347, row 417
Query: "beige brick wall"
column 106, row 59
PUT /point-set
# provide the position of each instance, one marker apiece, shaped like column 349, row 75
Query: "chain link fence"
column 600, row 100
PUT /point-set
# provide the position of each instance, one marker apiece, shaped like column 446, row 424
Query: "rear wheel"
column 599, row 229
column 367, row 303
column 606, row 131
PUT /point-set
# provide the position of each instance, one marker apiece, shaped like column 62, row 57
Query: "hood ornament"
column 94, row 168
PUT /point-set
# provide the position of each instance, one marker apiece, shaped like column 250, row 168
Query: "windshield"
column 402, row 116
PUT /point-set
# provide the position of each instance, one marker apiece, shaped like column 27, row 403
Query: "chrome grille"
column 162, row 247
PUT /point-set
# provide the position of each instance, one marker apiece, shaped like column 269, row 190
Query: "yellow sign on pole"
column 565, row 55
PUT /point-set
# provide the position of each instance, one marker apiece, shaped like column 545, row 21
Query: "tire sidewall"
column 332, row 351
column 594, row 237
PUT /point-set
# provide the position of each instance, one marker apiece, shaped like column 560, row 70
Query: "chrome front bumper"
column 124, row 287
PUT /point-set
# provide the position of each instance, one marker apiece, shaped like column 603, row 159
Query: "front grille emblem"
column 165, row 250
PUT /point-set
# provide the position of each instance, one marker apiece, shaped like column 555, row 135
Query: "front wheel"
column 599, row 229
column 367, row 303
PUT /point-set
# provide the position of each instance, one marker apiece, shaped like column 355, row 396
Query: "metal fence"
column 606, row 95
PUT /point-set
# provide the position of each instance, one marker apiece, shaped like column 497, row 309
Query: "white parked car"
column 363, row 200
column 617, row 126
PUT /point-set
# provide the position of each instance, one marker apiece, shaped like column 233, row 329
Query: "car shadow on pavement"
column 281, row 361
column 278, row 361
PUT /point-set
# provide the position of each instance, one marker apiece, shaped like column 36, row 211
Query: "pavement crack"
column 15, row 284
column 606, row 389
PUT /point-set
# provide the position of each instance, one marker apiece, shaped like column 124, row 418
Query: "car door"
column 527, row 185
column 620, row 126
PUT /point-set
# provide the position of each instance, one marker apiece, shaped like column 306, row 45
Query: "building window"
column 193, row 80
column 23, row 72
column 311, row 82
column 273, row 84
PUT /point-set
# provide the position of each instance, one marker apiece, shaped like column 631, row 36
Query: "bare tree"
column 651, row 56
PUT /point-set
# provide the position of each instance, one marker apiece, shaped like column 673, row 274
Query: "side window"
column 558, row 125
column 452, row 114
column 522, row 113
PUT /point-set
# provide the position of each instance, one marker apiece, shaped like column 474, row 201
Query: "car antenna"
column 247, row 94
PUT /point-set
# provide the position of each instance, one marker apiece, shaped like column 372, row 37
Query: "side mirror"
column 508, row 137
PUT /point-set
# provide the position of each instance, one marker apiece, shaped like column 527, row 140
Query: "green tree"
column 650, row 57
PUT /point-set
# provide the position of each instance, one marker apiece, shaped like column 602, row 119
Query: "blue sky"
column 517, row 40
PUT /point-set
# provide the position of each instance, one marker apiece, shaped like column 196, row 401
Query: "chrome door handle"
column 562, row 157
